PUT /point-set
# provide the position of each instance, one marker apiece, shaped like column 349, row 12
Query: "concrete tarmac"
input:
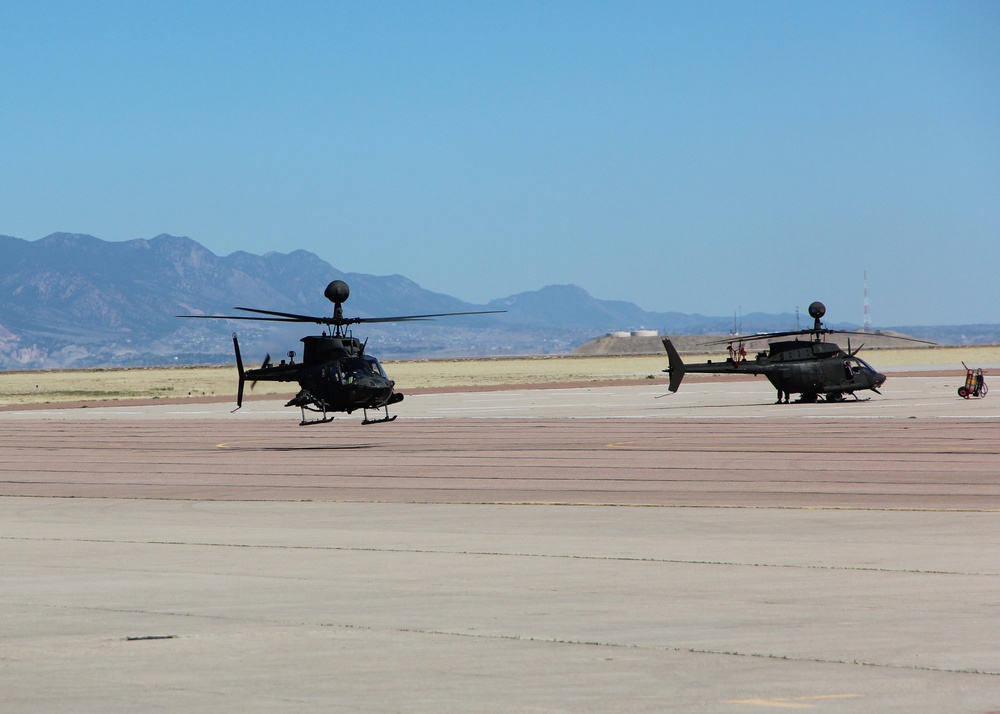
column 554, row 550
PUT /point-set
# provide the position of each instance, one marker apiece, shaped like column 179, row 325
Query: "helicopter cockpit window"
column 856, row 365
column 867, row 367
column 355, row 364
column 376, row 366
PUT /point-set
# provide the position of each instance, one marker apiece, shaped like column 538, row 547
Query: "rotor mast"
column 816, row 311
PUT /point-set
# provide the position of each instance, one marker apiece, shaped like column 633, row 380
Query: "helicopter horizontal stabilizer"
column 676, row 368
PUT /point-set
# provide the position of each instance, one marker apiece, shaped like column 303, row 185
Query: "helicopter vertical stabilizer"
column 676, row 368
column 239, row 367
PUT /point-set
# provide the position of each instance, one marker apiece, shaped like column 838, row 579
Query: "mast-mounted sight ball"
column 816, row 310
column 337, row 292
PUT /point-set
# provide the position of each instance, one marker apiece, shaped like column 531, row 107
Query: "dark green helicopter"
column 811, row 367
column 335, row 374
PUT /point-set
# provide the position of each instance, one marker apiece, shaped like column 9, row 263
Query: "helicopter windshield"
column 355, row 364
column 376, row 366
column 362, row 364
column 859, row 365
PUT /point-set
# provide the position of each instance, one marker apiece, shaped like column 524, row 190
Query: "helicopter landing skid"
column 309, row 422
column 379, row 421
column 841, row 398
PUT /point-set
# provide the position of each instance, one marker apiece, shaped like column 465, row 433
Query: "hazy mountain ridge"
column 73, row 300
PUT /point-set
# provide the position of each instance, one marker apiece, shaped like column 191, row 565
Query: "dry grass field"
column 101, row 385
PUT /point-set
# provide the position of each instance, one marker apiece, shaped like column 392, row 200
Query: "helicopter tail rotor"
column 264, row 365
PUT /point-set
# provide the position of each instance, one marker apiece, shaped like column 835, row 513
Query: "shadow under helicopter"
column 323, row 447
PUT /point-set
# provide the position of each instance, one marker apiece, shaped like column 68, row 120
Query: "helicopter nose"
column 374, row 388
column 879, row 379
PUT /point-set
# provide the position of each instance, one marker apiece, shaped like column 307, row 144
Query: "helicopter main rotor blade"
column 899, row 337
column 288, row 316
column 239, row 317
column 293, row 317
column 803, row 333
column 403, row 318
column 874, row 334
column 761, row 336
column 338, row 321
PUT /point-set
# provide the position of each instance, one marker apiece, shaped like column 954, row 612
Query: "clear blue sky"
column 700, row 156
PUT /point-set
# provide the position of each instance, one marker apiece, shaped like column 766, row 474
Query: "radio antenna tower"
column 868, row 316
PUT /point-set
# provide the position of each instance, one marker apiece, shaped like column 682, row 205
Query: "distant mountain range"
column 71, row 300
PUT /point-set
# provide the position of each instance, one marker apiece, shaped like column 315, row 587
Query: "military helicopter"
column 335, row 374
column 812, row 368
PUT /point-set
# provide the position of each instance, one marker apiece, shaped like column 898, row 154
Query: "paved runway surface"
column 560, row 550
